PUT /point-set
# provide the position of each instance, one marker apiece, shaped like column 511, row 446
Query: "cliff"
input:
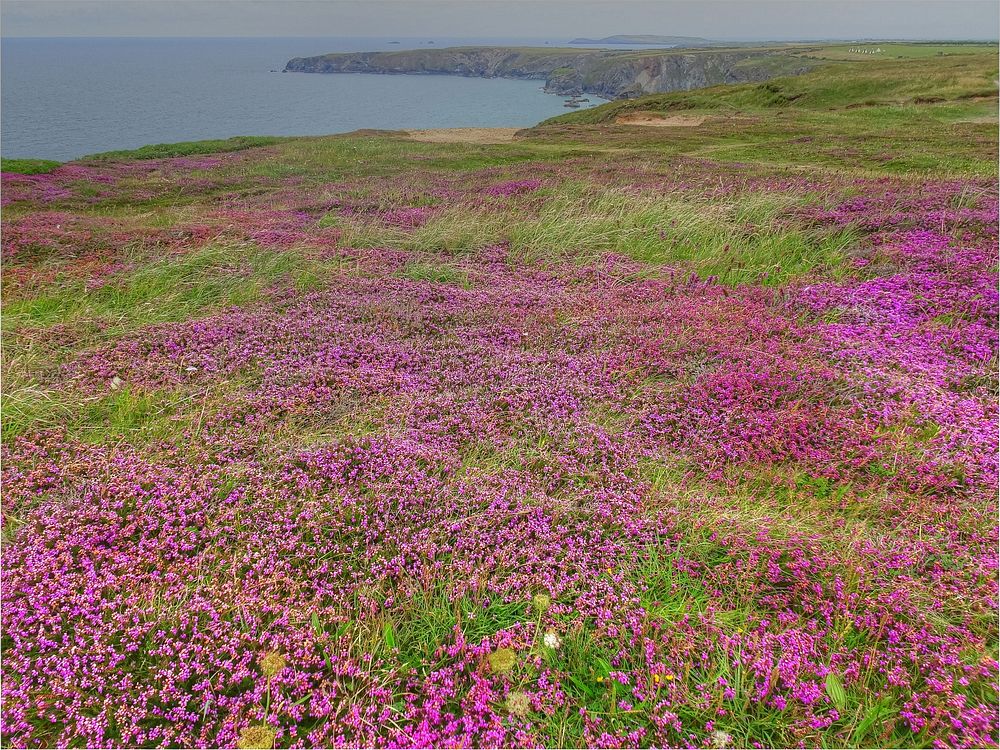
column 610, row 74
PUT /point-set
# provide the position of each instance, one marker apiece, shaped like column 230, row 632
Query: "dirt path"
column 464, row 135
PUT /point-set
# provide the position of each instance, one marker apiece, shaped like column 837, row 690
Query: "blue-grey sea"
column 68, row 97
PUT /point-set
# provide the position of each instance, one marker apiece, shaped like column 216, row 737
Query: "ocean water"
column 67, row 97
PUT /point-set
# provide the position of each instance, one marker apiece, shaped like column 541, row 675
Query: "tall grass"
column 168, row 289
column 750, row 238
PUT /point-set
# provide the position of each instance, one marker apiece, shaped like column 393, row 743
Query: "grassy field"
column 614, row 435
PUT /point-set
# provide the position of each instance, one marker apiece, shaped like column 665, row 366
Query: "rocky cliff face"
column 485, row 62
column 609, row 74
column 682, row 72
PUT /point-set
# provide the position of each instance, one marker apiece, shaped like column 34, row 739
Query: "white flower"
column 552, row 640
column 721, row 739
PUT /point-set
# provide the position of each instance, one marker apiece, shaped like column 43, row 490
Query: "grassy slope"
column 833, row 86
column 896, row 116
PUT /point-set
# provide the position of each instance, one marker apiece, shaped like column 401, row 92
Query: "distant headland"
column 611, row 74
column 650, row 39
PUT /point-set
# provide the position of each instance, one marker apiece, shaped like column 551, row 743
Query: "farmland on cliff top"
column 675, row 434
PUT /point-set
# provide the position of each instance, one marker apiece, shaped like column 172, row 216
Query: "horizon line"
column 925, row 40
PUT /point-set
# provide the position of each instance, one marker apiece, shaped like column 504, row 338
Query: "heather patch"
column 366, row 442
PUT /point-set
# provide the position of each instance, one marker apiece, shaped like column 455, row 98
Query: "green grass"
column 165, row 290
column 438, row 273
column 373, row 154
column 746, row 240
column 28, row 166
column 426, row 621
column 185, row 148
column 121, row 414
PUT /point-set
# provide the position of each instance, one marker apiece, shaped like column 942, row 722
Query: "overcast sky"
column 717, row 19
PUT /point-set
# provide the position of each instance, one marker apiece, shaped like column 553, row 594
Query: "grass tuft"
column 185, row 148
column 28, row 166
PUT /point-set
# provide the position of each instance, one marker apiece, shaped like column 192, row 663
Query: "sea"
column 63, row 98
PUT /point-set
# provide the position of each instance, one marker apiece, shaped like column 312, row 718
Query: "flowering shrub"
column 514, row 187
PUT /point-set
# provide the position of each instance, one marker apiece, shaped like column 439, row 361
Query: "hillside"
column 668, row 424
column 842, row 85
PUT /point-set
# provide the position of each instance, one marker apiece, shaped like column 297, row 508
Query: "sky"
column 744, row 20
